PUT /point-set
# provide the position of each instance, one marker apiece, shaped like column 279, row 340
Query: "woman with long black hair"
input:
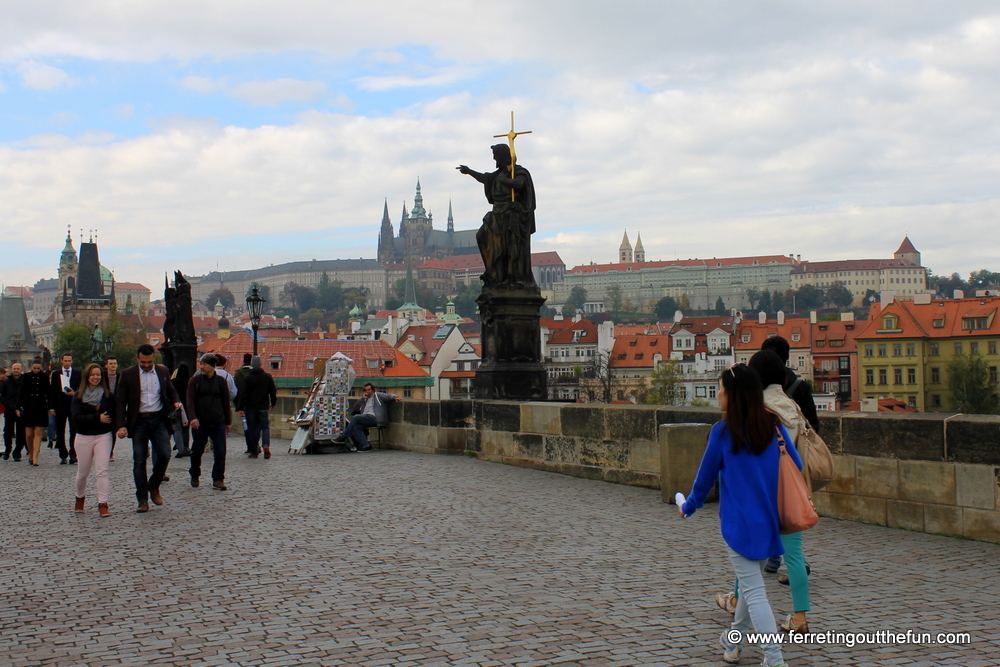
column 742, row 454
column 33, row 407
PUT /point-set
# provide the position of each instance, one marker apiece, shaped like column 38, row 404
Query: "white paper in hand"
column 65, row 382
column 679, row 499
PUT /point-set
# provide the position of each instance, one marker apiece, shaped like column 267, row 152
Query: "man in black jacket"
column 210, row 414
column 798, row 389
column 13, row 426
column 256, row 399
column 64, row 382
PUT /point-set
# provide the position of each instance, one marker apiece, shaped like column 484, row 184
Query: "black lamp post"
column 109, row 345
column 255, row 306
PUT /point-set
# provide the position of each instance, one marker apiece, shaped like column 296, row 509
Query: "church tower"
column 625, row 250
column 907, row 252
column 451, row 219
column 417, row 228
column 386, row 248
column 640, row 252
column 67, row 269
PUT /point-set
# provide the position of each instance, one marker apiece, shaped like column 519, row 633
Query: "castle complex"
column 418, row 240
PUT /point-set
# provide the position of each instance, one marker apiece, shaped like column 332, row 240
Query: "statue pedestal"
column 176, row 353
column 511, row 368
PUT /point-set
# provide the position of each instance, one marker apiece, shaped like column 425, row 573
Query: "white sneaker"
column 730, row 652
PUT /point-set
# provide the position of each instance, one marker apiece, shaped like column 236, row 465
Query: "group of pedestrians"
column 145, row 403
column 764, row 410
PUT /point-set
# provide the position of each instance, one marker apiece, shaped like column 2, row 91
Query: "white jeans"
column 753, row 606
column 93, row 450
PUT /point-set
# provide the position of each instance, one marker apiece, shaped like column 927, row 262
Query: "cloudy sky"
column 241, row 133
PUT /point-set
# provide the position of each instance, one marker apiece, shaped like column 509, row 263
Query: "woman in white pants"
column 93, row 413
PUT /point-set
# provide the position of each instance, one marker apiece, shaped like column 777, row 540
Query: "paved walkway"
column 395, row 558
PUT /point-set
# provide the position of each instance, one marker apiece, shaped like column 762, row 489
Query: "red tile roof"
column 906, row 247
column 835, row 331
column 704, row 325
column 565, row 336
column 638, row 351
column 918, row 320
column 423, row 338
column 475, row 261
column 721, row 261
column 130, row 286
column 792, row 327
column 853, row 265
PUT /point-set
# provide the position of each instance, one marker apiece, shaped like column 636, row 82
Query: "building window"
column 897, row 376
column 911, row 401
column 897, row 349
column 407, row 392
column 911, row 376
column 993, row 374
column 869, row 350
column 935, row 375
column 974, row 347
column 870, row 376
column 882, row 350
column 845, row 385
column 939, row 323
column 883, row 376
column 745, row 338
column 992, row 347
column 845, row 363
column 713, row 389
column 934, row 350
column 911, row 349
column 935, row 400
column 958, row 348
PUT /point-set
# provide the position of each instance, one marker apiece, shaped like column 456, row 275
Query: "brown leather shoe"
column 219, row 485
column 143, row 507
column 79, row 505
column 154, row 495
column 103, row 510
column 267, row 452
column 166, row 478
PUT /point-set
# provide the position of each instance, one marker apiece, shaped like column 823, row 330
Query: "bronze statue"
column 505, row 236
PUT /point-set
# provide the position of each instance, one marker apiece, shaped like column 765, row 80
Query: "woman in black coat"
column 33, row 408
column 93, row 413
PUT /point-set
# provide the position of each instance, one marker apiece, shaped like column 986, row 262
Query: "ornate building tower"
column 640, row 252
column 625, row 250
column 907, row 252
column 67, row 270
column 386, row 247
column 416, row 228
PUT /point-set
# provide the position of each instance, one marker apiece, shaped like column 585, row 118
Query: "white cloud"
column 42, row 77
column 391, row 82
column 202, row 84
column 277, row 91
column 124, row 111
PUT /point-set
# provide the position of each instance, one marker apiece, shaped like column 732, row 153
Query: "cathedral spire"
column 625, row 250
column 451, row 219
column 418, row 204
column 640, row 252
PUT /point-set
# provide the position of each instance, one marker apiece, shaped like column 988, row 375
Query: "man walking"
column 13, row 425
column 210, row 415
column 145, row 399
column 256, row 399
column 239, row 377
column 372, row 410
column 111, row 367
column 64, row 383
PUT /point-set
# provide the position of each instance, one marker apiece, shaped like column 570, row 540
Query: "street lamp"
column 109, row 345
column 255, row 306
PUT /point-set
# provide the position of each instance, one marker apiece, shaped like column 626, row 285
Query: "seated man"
column 372, row 409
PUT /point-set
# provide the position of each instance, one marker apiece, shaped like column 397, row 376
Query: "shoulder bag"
column 795, row 509
column 817, row 462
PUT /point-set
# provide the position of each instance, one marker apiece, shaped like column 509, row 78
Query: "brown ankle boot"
column 102, row 508
column 267, row 452
column 79, row 505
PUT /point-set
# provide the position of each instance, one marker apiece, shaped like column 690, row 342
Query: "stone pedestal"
column 512, row 347
column 175, row 353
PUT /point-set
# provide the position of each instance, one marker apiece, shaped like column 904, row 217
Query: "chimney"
column 812, row 317
column 888, row 297
column 959, row 294
column 781, row 317
column 762, row 317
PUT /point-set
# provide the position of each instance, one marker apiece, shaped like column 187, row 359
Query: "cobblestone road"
column 395, row 558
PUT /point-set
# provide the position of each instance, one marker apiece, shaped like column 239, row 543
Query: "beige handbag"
column 817, row 462
column 795, row 509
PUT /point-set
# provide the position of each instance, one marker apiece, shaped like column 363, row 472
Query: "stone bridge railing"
column 934, row 473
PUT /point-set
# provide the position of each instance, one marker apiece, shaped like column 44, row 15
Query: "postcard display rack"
column 330, row 416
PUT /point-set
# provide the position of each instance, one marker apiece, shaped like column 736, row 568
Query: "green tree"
column 356, row 296
column 576, row 301
column 465, row 301
column 765, row 301
column 312, row 317
column 720, row 306
column 297, row 298
column 838, row 295
column 753, row 296
column 665, row 384
column 613, row 297
column 665, row 308
column 73, row 337
column 808, row 297
column 973, row 391
column 778, row 301
column 220, row 294
column 946, row 286
column 329, row 294
column 983, row 279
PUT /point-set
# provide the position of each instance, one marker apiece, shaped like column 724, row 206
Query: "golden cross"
column 513, row 156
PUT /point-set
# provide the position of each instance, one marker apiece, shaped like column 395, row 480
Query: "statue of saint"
column 97, row 345
column 505, row 236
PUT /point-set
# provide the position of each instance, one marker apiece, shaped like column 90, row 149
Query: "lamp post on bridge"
column 255, row 306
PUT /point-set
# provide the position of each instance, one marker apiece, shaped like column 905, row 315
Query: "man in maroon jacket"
column 145, row 399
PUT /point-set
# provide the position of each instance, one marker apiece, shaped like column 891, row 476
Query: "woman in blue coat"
column 742, row 454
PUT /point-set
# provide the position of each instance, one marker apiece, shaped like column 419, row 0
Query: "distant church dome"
column 355, row 312
column 223, row 322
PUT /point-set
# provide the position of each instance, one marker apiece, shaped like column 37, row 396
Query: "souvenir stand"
column 324, row 415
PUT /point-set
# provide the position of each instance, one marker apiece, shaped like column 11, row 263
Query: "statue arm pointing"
column 471, row 172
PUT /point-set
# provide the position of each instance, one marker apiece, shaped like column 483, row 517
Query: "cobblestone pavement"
column 395, row 558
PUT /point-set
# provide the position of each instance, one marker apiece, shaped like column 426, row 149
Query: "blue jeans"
column 199, row 438
column 151, row 431
column 356, row 430
column 753, row 606
column 258, row 429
